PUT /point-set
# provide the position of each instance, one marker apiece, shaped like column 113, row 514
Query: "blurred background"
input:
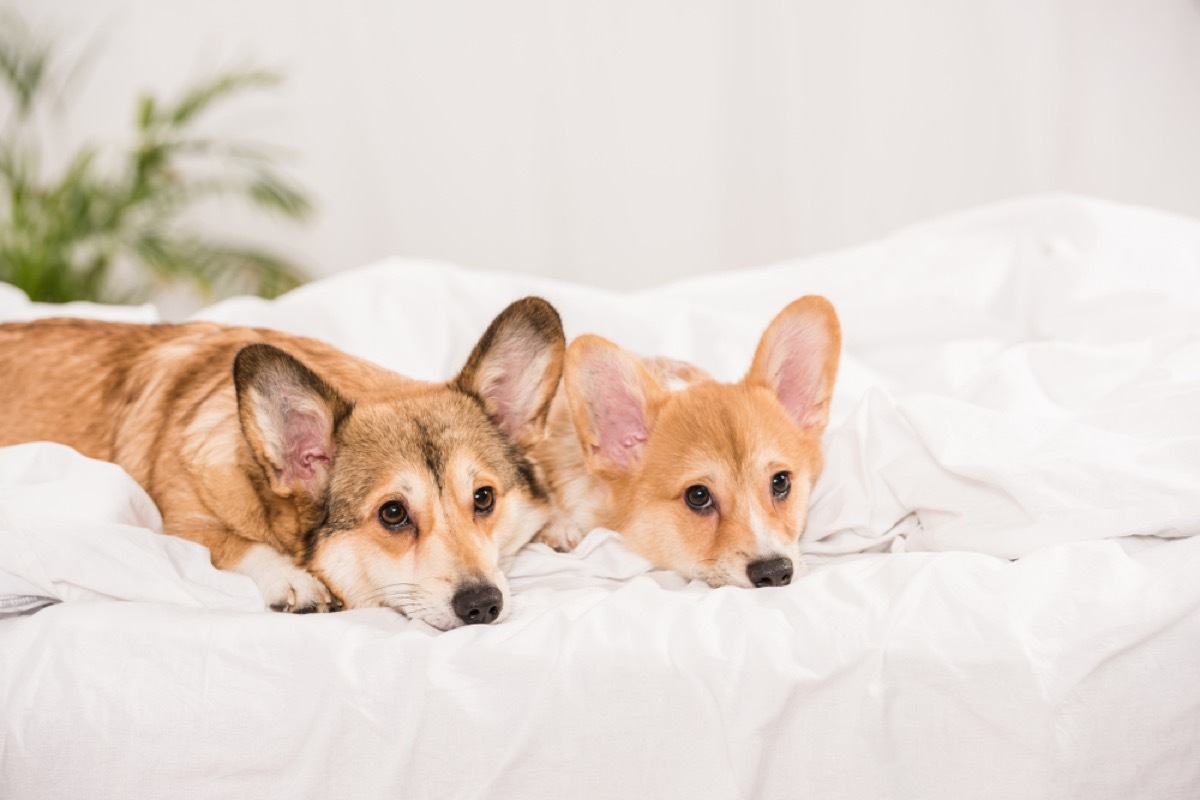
column 626, row 143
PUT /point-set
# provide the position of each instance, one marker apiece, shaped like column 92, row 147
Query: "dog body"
column 709, row 479
column 328, row 480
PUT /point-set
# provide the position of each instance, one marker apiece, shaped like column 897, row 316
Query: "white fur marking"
column 280, row 581
column 765, row 539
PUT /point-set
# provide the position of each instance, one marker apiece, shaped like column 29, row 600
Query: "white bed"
column 1004, row 601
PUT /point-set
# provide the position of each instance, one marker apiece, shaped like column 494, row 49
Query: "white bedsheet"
column 73, row 528
column 1018, row 381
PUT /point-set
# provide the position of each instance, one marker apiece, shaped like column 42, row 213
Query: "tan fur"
column 161, row 401
column 730, row 438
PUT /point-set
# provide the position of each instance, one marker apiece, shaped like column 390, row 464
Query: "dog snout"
column 478, row 604
column 770, row 572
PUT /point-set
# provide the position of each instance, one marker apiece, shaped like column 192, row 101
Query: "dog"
column 709, row 479
column 330, row 481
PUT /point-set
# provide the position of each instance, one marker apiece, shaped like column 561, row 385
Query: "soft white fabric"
column 1016, row 381
column 19, row 596
column 73, row 528
column 1069, row 673
column 15, row 307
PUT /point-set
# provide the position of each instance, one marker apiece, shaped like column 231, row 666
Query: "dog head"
column 711, row 480
column 423, row 490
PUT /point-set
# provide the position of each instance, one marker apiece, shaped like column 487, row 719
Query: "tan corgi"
column 330, row 481
column 709, row 479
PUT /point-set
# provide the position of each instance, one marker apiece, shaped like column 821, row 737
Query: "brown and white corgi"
column 709, row 479
column 330, row 481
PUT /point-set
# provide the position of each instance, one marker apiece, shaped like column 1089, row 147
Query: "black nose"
column 478, row 604
column 770, row 572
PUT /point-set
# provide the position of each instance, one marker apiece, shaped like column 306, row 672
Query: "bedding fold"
column 73, row 528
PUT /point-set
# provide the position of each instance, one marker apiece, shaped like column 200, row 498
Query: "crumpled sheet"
column 73, row 528
column 1016, row 381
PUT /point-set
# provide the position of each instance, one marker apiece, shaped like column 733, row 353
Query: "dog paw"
column 560, row 533
column 284, row 586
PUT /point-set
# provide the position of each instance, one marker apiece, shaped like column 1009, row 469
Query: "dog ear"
column 613, row 399
column 797, row 358
column 515, row 368
column 288, row 415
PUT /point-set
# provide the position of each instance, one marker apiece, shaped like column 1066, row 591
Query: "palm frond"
column 196, row 100
column 147, row 112
column 210, row 265
column 17, row 165
column 246, row 153
column 24, row 62
column 61, row 236
column 272, row 192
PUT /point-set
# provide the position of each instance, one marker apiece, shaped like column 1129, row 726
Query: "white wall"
column 628, row 142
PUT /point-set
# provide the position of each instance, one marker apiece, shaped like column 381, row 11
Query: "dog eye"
column 698, row 498
column 393, row 515
column 781, row 484
column 485, row 500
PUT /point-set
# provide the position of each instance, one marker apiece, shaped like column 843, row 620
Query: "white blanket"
column 1019, row 381
column 73, row 528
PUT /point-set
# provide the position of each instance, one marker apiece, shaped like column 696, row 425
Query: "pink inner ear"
column 618, row 416
column 509, row 380
column 306, row 450
column 794, row 388
column 796, row 370
column 509, row 416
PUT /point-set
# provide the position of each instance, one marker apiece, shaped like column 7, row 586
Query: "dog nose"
column 478, row 604
column 770, row 572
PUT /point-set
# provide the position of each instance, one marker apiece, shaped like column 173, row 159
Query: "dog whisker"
column 391, row 586
column 391, row 590
column 395, row 591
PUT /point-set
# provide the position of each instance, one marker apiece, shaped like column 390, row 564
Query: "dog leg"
column 560, row 533
column 284, row 586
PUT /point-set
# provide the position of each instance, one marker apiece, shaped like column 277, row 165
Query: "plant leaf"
column 211, row 265
column 146, row 112
column 23, row 62
column 271, row 192
column 60, row 236
column 201, row 96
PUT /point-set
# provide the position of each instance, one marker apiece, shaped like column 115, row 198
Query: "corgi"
column 331, row 482
column 709, row 479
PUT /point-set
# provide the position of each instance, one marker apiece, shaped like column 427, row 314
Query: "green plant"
column 112, row 226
